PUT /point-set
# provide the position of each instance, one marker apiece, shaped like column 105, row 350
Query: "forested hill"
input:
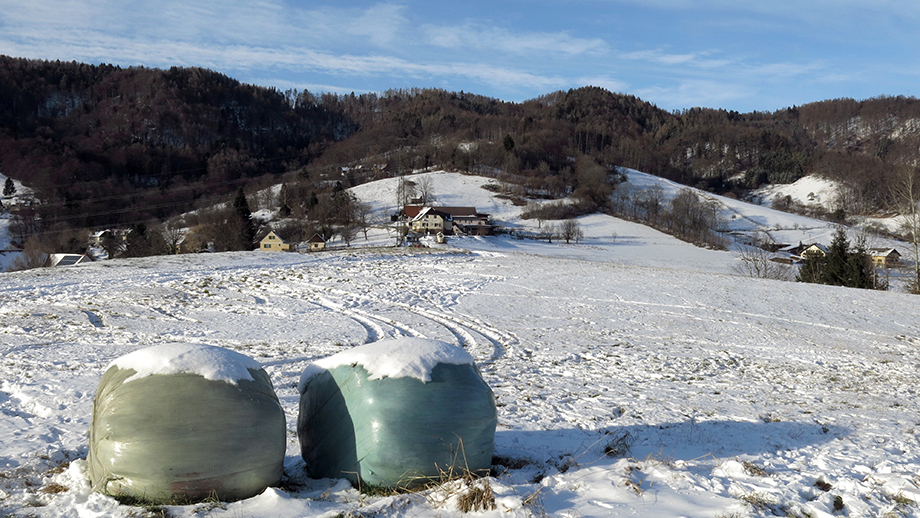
column 78, row 134
column 102, row 145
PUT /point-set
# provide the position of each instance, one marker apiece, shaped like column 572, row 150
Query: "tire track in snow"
column 485, row 341
column 463, row 329
column 375, row 332
column 170, row 315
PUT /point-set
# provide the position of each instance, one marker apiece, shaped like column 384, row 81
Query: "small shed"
column 66, row 259
column 317, row 243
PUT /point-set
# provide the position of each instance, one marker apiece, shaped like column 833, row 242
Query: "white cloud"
column 381, row 25
column 700, row 60
column 787, row 70
column 786, row 7
column 499, row 40
column 391, row 44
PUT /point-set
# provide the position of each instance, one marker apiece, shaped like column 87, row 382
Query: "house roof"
column 316, row 239
column 436, row 211
column 817, row 246
column 884, row 252
column 412, row 211
column 66, row 259
column 275, row 240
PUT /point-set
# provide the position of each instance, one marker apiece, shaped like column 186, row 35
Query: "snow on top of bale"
column 213, row 363
column 397, row 358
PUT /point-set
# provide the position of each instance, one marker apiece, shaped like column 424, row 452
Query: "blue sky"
column 741, row 55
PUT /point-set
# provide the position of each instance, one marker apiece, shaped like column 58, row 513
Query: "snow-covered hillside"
column 611, row 239
column 623, row 389
column 606, row 238
column 635, row 375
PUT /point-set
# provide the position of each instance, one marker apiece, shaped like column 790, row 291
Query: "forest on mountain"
column 104, row 146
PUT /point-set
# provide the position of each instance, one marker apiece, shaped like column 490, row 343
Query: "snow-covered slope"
column 613, row 239
column 606, row 238
column 808, row 190
column 622, row 389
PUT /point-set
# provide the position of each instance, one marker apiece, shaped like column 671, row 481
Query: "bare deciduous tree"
column 34, row 255
column 906, row 196
column 571, row 231
column 759, row 263
column 694, row 218
column 405, row 191
column 424, row 190
column 549, row 232
column 172, row 235
column 652, row 200
column 363, row 216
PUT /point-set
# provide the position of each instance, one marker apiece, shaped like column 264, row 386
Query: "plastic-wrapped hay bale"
column 396, row 413
column 179, row 422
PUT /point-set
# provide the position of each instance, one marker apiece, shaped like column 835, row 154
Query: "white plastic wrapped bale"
column 396, row 413
column 179, row 423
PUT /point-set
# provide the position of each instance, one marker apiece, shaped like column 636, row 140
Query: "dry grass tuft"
column 477, row 497
column 54, row 488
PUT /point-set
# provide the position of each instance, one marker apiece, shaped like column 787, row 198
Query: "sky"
column 759, row 55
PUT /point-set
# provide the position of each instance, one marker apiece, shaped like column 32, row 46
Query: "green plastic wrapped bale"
column 179, row 423
column 396, row 413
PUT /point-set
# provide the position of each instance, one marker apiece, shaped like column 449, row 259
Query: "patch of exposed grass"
column 619, row 446
column 476, row 497
column 54, row 488
column 759, row 501
column 823, row 485
column 754, row 470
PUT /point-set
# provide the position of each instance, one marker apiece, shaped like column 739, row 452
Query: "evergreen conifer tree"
column 811, row 270
column 841, row 266
column 9, row 188
column 862, row 273
column 837, row 270
column 241, row 207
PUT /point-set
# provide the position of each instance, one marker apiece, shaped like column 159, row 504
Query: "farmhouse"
column 814, row 250
column 99, row 238
column 447, row 220
column 429, row 220
column 272, row 243
column 800, row 252
column 884, row 257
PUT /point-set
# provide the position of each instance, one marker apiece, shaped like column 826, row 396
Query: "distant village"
column 412, row 224
column 795, row 254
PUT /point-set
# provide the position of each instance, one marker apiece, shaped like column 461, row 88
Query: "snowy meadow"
column 634, row 375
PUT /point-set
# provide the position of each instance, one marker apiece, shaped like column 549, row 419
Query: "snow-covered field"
column 634, row 375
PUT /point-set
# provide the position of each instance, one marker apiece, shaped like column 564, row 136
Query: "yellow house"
column 429, row 221
column 317, row 243
column 815, row 250
column 273, row 243
column 885, row 257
